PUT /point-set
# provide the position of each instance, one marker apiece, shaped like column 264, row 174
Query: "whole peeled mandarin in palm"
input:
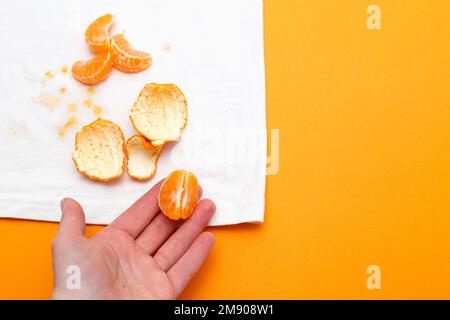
column 178, row 195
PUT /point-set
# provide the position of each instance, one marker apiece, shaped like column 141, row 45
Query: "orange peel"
column 178, row 195
column 97, row 33
column 99, row 150
column 142, row 158
column 160, row 113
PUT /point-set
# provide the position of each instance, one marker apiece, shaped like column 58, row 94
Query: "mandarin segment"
column 97, row 34
column 142, row 158
column 94, row 70
column 160, row 113
column 178, row 195
column 126, row 58
column 99, row 150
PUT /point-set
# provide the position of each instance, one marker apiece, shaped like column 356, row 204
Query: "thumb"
column 72, row 219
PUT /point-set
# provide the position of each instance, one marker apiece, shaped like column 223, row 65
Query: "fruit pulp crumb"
column 87, row 103
column 91, row 90
column 97, row 110
column 72, row 107
column 51, row 102
column 69, row 124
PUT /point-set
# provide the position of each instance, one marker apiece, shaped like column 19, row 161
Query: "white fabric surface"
column 212, row 49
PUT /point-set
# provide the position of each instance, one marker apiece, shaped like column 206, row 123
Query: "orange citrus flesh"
column 97, row 36
column 94, row 70
column 178, row 196
column 126, row 58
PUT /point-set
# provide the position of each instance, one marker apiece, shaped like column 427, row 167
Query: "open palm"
column 141, row 255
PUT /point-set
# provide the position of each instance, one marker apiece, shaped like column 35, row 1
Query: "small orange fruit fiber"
column 97, row 34
column 94, row 70
column 178, row 195
column 126, row 58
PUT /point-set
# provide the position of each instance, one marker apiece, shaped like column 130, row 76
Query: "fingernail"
column 211, row 236
column 61, row 204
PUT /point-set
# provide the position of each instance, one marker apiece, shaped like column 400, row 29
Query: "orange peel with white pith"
column 160, row 113
column 142, row 158
column 99, row 150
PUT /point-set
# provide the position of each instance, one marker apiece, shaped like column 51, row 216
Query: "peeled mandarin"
column 178, row 195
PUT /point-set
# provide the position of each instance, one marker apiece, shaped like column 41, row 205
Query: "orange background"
column 364, row 164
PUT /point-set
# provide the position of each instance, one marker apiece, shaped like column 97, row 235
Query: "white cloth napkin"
column 213, row 50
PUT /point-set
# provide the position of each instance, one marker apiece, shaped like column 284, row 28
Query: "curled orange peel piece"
column 97, row 34
column 178, row 195
column 99, row 151
column 160, row 113
column 142, row 158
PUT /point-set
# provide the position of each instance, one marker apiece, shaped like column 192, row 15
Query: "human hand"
column 140, row 255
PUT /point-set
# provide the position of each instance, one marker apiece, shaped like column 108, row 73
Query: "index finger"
column 140, row 214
